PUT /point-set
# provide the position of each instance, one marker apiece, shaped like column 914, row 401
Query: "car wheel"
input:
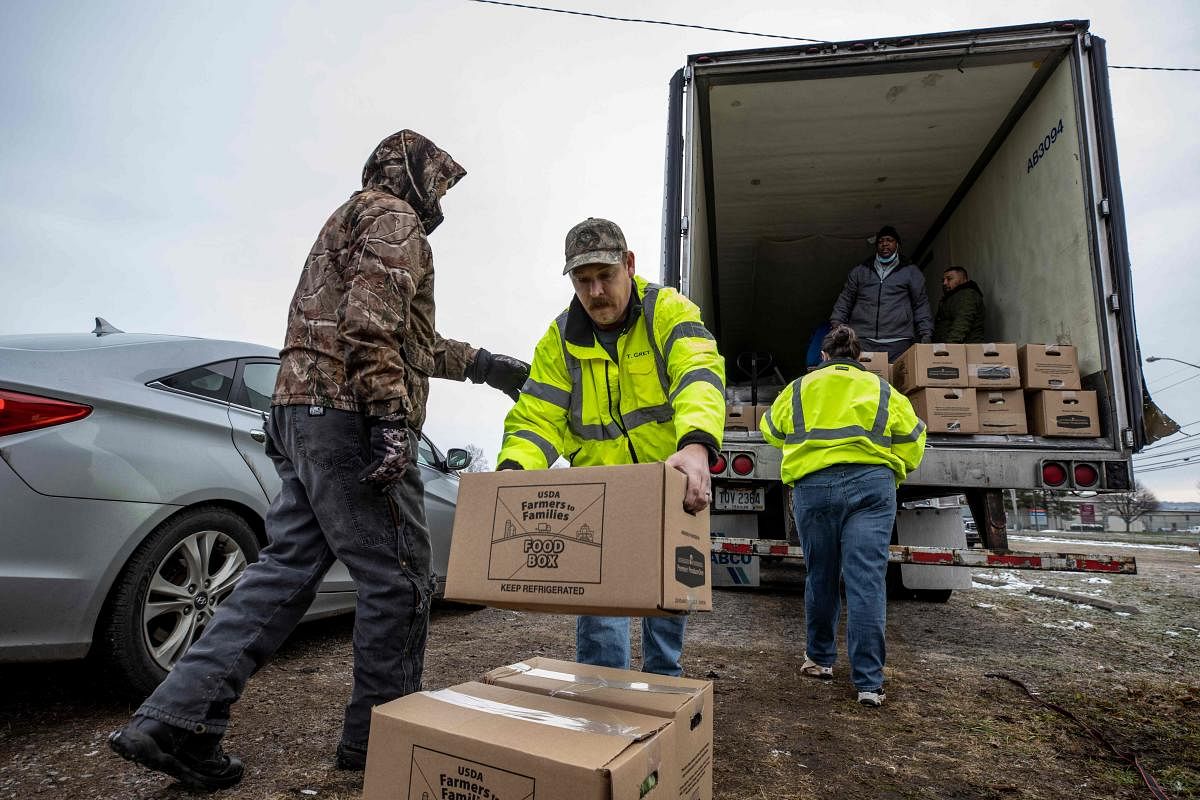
column 169, row 590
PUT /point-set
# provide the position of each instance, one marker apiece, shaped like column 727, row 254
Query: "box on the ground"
column 1064, row 413
column 924, row 365
column 993, row 366
column 739, row 417
column 688, row 703
column 876, row 363
column 1049, row 366
column 587, row 540
column 947, row 409
column 1001, row 411
column 475, row 741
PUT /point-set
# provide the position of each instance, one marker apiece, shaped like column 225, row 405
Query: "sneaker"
column 874, row 699
column 812, row 669
column 351, row 757
column 196, row 760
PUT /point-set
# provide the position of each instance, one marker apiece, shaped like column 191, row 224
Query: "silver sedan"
column 133, row 488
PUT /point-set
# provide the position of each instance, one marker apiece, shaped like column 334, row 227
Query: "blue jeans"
column 322, row 513
column 844, row 515
column 604, row 642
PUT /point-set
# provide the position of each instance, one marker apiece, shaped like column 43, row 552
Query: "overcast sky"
column 168, row 165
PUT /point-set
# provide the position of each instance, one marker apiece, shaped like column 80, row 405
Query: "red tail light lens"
column 27, row 412
column 743, row 464
column 1086, row 476
column 1054, row 473
column 719, row 466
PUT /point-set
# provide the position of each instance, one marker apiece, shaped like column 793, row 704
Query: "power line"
column 1176, row 383
column 648, row 21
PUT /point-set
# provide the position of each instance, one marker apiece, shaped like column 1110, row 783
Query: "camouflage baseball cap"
column 594, row 241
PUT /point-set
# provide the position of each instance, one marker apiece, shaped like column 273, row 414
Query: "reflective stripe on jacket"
column 663, row 389
column 842, row 414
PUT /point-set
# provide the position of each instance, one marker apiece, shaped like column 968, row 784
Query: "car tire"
column 184, row 570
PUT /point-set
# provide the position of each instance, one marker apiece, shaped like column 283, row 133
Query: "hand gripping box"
column 1068, row 413
column 587, row 540
column 1049, row 366
column 948, row 410
column 479, row 742
column 924, row 365
column 687, row 703
column 1001, row 412
column 993, row 366
column 877, row 364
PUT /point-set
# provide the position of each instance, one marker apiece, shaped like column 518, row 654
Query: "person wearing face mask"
column 884, row 300
column 627, row 374
column 348, row 406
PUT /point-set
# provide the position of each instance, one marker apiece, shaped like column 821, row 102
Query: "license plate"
column 740, row 498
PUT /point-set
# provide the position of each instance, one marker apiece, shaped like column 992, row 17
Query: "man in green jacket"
column 960, row 313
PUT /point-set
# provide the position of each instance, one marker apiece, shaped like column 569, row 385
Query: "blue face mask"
column 889, row 261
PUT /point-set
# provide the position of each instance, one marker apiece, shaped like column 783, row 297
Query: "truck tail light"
column 27, row 412
column 1116, row 475
column 719, row 465
column 1054, row 474
column 743, row 464
column 1087, row 475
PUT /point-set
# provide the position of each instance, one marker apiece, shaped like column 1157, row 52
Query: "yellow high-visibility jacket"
column 842, row 414
column 666, row 390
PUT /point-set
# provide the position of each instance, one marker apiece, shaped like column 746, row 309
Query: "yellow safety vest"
column 667, row 384
column 842, row 414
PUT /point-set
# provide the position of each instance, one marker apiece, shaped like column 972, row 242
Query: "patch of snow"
column 1133, row 545
column 1097, row 580
column 1171, row 633
column 1068, row 625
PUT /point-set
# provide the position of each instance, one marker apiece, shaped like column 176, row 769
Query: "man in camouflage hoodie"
column 349, row 402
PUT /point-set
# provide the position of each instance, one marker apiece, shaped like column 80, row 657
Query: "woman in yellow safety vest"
column 848, row 441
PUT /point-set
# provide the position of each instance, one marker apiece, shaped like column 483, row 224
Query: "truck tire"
column 932, row 595
column 169, row 589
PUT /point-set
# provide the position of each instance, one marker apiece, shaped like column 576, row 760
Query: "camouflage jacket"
column 360, row 332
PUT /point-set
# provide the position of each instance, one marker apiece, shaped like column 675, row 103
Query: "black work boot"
column 194, row 759
column 351, row 757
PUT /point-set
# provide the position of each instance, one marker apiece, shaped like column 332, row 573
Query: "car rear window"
column 211, row 380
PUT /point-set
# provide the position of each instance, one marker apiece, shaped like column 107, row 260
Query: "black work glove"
column 505, row 373
column 508, row 463
column 389, row 454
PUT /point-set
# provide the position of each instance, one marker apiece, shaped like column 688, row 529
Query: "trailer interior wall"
column 804, row 166
column 1023, row 235
column 697, row 280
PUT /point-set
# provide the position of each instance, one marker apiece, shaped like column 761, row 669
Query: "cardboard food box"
column 688, row 703
column 587, row 540
column 475, row 741
column 947, row 410
column 1064, row 413
column 1049, row 366
column 1001, row 412
column 925, row 365
column 877, row 363
column 739, row 417
column 993, row 366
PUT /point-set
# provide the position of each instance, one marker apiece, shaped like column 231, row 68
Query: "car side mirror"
column 458, row 459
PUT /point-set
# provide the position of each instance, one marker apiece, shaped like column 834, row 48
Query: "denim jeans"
column 322, row 513
column 844, row 516
column 604, row 642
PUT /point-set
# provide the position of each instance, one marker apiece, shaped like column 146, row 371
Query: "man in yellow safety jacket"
column 627, row 374
column 848, row 441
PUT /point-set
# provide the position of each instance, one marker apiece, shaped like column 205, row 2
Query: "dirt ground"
column 947, row 729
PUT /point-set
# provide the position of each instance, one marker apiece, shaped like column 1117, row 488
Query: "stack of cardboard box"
column 1058, row 406
column 554, row 730
column 934, row 376
column 592, row 540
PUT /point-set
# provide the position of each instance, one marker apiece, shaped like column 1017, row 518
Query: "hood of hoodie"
column 972, row 285
column 414, row 169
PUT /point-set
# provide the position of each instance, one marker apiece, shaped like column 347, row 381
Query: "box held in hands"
column 587, row 540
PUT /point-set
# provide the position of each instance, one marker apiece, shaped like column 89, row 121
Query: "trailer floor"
column 946, row 731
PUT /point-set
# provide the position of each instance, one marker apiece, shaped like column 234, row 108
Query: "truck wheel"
column 169, row 590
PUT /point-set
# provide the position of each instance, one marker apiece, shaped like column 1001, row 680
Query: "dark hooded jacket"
column 894, row 308
column 960, row 315
column 360, row 332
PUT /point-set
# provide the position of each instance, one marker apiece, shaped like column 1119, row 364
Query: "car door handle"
column 258, row 435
